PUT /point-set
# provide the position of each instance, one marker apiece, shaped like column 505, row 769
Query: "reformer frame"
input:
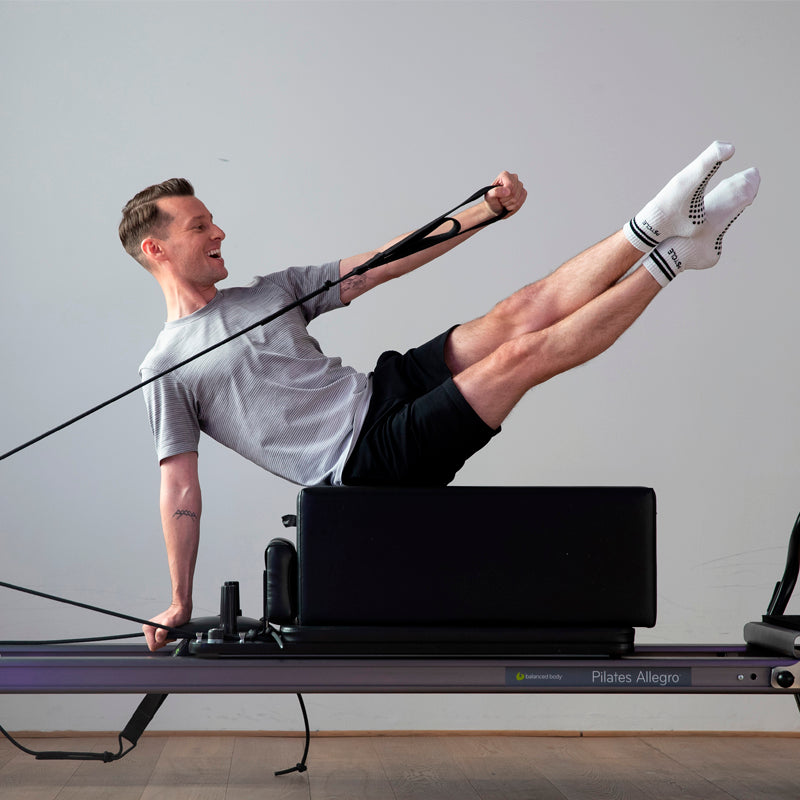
column 132, row 669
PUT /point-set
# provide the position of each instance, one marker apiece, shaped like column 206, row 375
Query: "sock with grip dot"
column 679, row 207
column 702, row 250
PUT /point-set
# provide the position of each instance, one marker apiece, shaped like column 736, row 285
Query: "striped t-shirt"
column 271, row 395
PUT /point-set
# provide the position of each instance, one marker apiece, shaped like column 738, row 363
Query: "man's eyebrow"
column 201, row 218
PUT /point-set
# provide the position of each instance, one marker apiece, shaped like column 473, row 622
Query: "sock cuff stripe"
column 663, row 265
column 642, row 235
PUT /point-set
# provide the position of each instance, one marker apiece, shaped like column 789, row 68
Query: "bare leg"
column 542, row 304
column 496, row 383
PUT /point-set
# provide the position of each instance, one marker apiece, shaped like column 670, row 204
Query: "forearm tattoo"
column 184, row 512
column 356, row 283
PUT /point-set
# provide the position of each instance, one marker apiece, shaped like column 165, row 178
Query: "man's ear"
column 152, row 250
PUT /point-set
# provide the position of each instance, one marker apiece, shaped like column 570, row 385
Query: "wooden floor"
column 484, row 767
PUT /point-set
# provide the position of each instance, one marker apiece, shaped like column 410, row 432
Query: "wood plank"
column 347, row 769
column 24, row 778
column 254, row 762
column 496, row 771
column 192, row 768
column 745, row 768
column 7, row 751
column 125, row 779
column 593, row 768
column 422, row 768
column 576, row 769
column 657, row 776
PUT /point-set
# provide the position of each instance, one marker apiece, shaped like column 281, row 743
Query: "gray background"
column 317, row 130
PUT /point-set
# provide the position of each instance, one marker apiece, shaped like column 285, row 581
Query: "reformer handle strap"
column 141, row 718
column 421, row 239
column 413, row 243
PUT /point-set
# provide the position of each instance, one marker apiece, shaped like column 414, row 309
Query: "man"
column 274, row 397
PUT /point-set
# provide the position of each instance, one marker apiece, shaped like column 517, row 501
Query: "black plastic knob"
column 784, row 678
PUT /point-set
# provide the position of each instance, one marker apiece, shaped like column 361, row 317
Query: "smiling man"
column 277, row 399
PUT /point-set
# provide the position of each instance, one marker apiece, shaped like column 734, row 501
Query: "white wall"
column 315, row 130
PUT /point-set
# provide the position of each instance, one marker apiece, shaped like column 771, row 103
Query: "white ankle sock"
column 702, row 250
column 678, row 208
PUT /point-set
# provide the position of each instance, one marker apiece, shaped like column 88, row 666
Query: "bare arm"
column 508, row 193
column 181, row 505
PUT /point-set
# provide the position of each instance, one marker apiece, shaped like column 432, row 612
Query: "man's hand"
column 173, row 617
column 508, row 194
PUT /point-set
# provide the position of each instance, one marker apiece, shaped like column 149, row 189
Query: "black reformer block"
column 466, row 570
column 477, row 556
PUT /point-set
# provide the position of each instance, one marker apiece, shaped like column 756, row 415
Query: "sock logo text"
column 674, row 256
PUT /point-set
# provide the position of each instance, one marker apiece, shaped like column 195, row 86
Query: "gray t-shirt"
column 271, row 395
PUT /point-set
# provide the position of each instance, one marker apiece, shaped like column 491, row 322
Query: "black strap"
column 142, row 717
column 421, row 239
column 133, row 730
column 413, row 243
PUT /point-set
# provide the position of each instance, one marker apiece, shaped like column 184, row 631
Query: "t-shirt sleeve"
column 173, row 415
column 302, row 281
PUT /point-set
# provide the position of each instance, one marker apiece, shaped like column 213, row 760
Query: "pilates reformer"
column 457, row 590
column 353, row 609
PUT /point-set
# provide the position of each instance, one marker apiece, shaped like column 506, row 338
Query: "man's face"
column 192, row 242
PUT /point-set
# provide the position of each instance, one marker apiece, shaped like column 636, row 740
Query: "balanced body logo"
column 540, row 676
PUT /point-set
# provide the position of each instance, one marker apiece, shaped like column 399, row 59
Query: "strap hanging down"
column 413, row 243
column 133, row 730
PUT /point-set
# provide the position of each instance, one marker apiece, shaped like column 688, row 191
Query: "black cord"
column 181, row 634
column 84, row 640
column 53, row 755
column 301, row 766
column 413, row 243
column 15, row 742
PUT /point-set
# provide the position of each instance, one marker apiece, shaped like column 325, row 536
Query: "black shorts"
column 419, row 429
